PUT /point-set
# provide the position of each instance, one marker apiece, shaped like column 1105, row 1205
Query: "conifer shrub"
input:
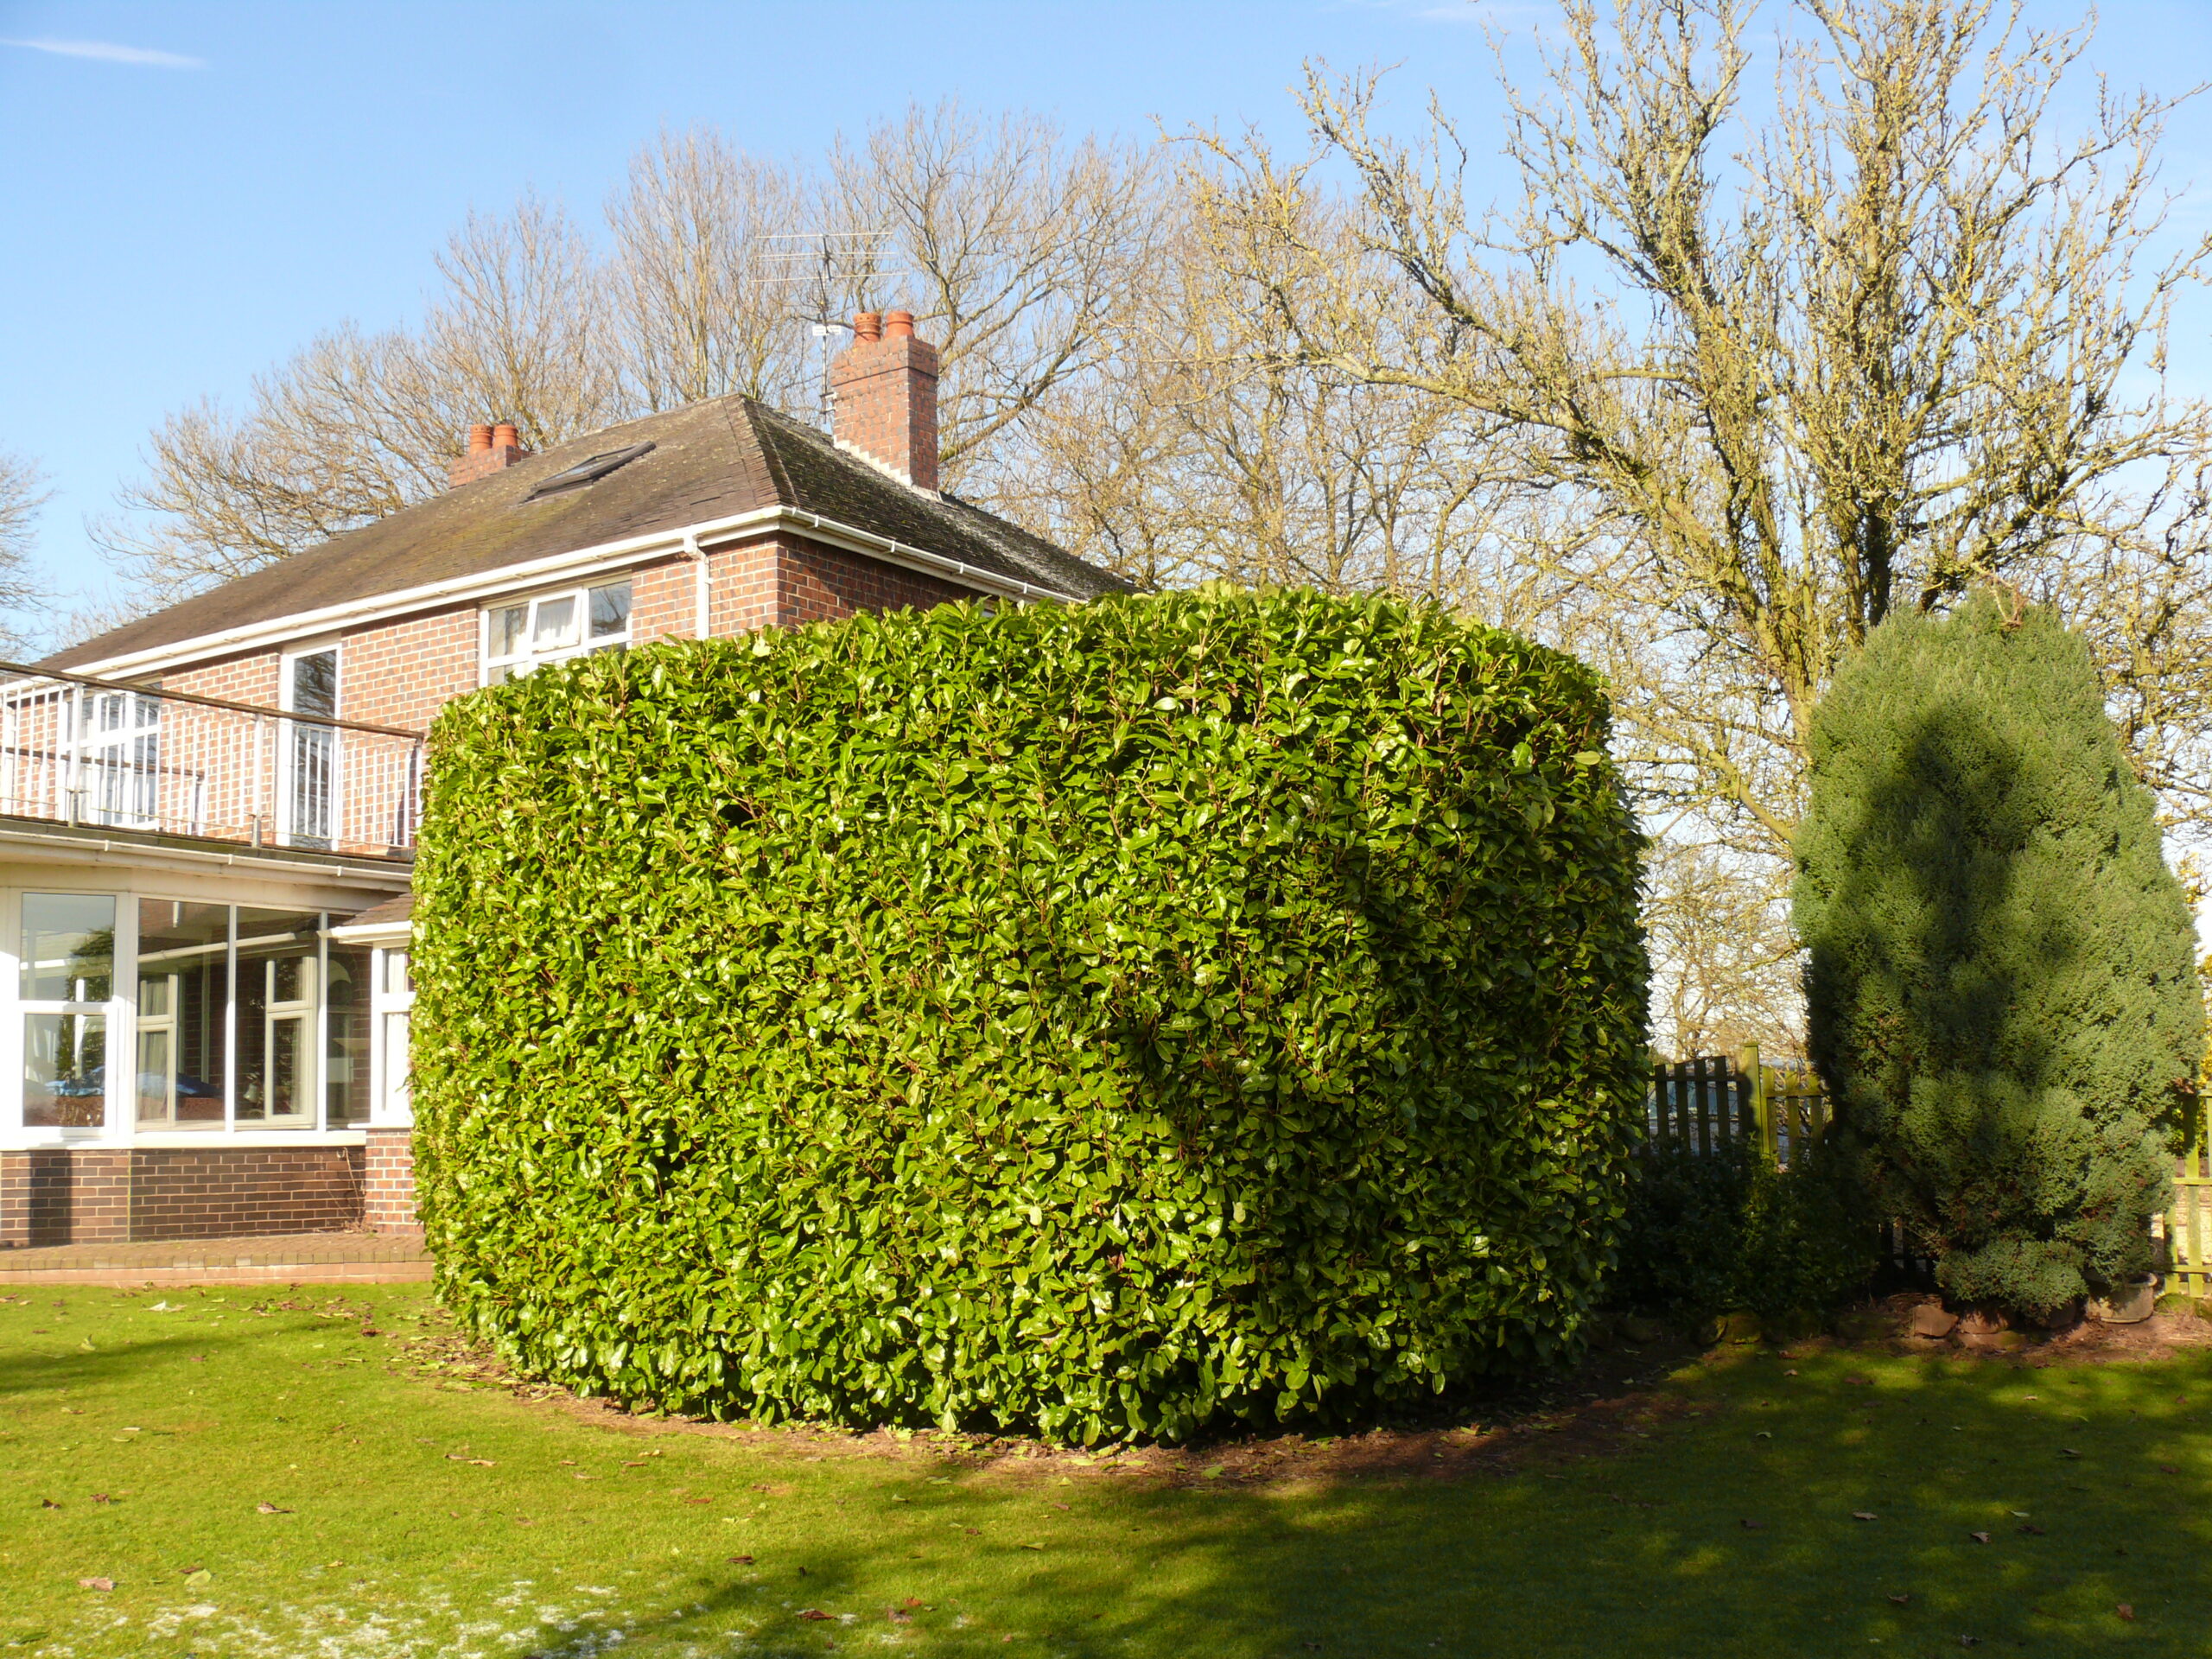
column 1108, row 1020
column 1724, row 1231
column 2002, row 994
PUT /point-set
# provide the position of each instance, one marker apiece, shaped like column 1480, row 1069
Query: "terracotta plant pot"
column 2130, row 1304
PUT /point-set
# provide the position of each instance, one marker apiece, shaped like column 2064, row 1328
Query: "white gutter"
column 374, row 932
column 584, row 562
column 271, row 862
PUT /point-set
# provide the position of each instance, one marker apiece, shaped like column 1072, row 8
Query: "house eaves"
column 574, row 566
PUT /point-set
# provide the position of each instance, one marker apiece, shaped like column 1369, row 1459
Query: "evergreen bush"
column 1724, row 1231
column 1109, row 1020
column 2002, row 992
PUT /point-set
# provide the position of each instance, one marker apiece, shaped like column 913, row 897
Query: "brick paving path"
column 280, row 1258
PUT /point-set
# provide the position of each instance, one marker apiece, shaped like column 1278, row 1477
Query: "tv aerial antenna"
column 827, row 267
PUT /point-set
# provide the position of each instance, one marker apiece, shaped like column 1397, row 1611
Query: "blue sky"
column 189, row 191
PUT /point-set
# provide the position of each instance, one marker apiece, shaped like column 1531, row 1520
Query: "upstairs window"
column 554, row 627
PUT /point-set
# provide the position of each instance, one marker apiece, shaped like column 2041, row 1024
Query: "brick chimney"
column 885, row 391
column 490, row 449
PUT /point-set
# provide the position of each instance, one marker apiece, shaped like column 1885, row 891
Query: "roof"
column 391, row 914
column 712, row 460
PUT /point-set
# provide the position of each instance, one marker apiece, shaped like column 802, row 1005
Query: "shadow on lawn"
column 1638, row 1550
column 1644, row 1553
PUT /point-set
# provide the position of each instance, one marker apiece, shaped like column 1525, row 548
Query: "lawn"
column 264, row 1479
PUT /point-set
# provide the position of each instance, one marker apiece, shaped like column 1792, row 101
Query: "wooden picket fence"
column 1716, row 1100
column 2184, row 1232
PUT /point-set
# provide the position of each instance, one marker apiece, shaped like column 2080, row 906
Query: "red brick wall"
column 62, row 1198
column 111, row 1195
column 224, row 1193
column 241, row 679
column 401, row 673
column 664, row 602
column 204, row 750
column 815, row 583
column 741, row 595
column 388, row 1188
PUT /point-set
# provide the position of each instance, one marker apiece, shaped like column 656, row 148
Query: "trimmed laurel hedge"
column 1108, row 1019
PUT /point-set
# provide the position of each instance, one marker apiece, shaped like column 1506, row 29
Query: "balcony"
column 98, row 754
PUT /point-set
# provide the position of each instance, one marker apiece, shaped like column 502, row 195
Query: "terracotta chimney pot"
column 899, row 325
column 866, row 325
column 490, row 449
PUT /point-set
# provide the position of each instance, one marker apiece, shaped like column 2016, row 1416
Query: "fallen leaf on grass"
column 696, row 1500
column 2068, row 1451
column 102, row 1497
column 1857, row 1381
column 199, row 1575
column 2167, row 1469
column 270, row 1509
column 48, row 1503
column 481, row 1463
column 1752, row 1526
column 1902, row 1600
column 741, row 1560
column 2033, row 1530
column 1215, row 1472
column 1059, row 1506
column 2126, row 1609
column 1979, row 1537
column 1032, row 1546
column 815, row 1613
column 96, row 1584
column 898, row 1615
column 1865, row 1514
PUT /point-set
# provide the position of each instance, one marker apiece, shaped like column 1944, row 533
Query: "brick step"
column 292, row 1259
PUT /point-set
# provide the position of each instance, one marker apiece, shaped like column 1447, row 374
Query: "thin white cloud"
column 108, row 52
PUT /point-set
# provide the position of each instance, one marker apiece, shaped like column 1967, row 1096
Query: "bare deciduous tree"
column 706, row 273
column 356, row 426
column 1196, row 453
column 1010, row 243
column 1906, row 336
column 22, row 494
column 1725, row 964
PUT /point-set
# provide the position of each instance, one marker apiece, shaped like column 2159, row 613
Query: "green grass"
column 389, row 1539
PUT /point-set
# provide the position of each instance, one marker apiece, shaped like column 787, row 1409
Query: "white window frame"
column 492, row 668
column 288, row 831
column 118, row 1014
column 122, row 760
column 391, row 1012
column 223, row 953
column 305, row 1014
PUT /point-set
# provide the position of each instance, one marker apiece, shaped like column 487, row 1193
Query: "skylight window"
column 588, row 472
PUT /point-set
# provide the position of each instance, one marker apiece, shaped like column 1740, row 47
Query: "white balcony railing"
column 75, row 750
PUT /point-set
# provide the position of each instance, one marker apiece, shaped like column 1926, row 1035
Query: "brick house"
column 207, row 816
